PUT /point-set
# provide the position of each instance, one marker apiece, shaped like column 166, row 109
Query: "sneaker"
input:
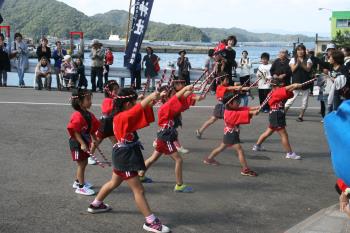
column 198, row 134
column 299, row 119
column 266, row 111
column 211, row 162
column 183, row 189
column 293, row 155
column 86, row 184
column 85, row 191
column 156, row 226
column 91, row 161
column 247, row 172
column 257, row 147
column 154, row 144
column 182, row 150
column 145, row 179
column 99, row 209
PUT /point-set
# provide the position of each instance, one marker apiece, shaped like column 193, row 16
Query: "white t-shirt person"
column 265, row 75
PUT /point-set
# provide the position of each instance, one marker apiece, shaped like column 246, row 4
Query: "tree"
column 342, row 39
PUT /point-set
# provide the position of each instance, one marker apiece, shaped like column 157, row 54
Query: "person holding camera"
column 184, row 67
column 97, row 56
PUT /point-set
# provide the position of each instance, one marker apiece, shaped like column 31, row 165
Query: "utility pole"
column 128, row 29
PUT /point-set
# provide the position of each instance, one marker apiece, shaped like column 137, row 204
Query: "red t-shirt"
column 187, row 102
column 236, row 117
column 220, row 92
column 168, row 111
column 127, row 122
column 109, row 58
column 277, row 97
column 107, row 106
column 78, row 124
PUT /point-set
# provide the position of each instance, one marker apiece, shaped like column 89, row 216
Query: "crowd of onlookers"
column 332, row 69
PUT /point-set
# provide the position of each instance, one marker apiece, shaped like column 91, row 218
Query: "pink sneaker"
column 211, row 162
column 156, row 226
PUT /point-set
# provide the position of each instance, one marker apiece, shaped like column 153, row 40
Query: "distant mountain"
column 50, row 17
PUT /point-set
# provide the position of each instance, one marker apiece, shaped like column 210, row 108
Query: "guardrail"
column 122, row 73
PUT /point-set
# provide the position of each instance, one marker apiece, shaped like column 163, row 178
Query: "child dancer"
column 127, row 156
column 218, row 113
column 277, row 117
column 106, row 122
column 167, row 135
column 178, row 84
column 81, row 128
column 234, row 115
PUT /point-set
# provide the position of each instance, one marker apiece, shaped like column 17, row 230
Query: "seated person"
column 43, row 70
column 69, row 71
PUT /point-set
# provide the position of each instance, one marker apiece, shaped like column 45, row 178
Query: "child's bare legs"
column 238, row 148
column 108, row 187
column 178, row 167
column 217, row 151
column 207, row 124
column 285, row 141
column 148, row 163
column 264, row 136
column 139, row 195
column 81, row 171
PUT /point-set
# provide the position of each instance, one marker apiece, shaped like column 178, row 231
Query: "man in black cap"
column 184, row 67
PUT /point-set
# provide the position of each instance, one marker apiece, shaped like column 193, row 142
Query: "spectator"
column 109, row 59
column 135, row 72
column 324, row 83
column 20, row 54
column 4, row 61
column 280, row 68
column 58, row 55
column 346, row 52
column 339, row 76
column 184, row 66
column 97, row 56
column 264, row 87
column 209, row 68
column 301, row 66
column 316, row 62
column 325, row 60
column 244, row 75
column 69, row 71
column 230, row 57
column 81, row 73
column 151, row 62
column 43, row 70
column 43, row 50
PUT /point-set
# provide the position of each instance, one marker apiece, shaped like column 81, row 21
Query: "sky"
column 276, row 16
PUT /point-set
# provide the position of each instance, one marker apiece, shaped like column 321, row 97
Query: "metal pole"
column 128, row 29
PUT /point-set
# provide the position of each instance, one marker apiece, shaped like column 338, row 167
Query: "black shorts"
column 219, row 110
column 231, row 138
column 277, row 119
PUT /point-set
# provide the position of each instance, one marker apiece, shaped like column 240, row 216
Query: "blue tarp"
column 337, row 128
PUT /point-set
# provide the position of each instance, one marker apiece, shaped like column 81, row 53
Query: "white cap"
column 330, row 46
column 66, row 57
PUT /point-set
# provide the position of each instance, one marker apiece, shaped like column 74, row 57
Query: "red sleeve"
column 132, row 120
column 280, row 94
column 107, row 106
column 169, row 110
column 76, row 123
column 237, row 117
column 341, row 185
column 220, row 92
column 191, row 100
column 95, row 124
